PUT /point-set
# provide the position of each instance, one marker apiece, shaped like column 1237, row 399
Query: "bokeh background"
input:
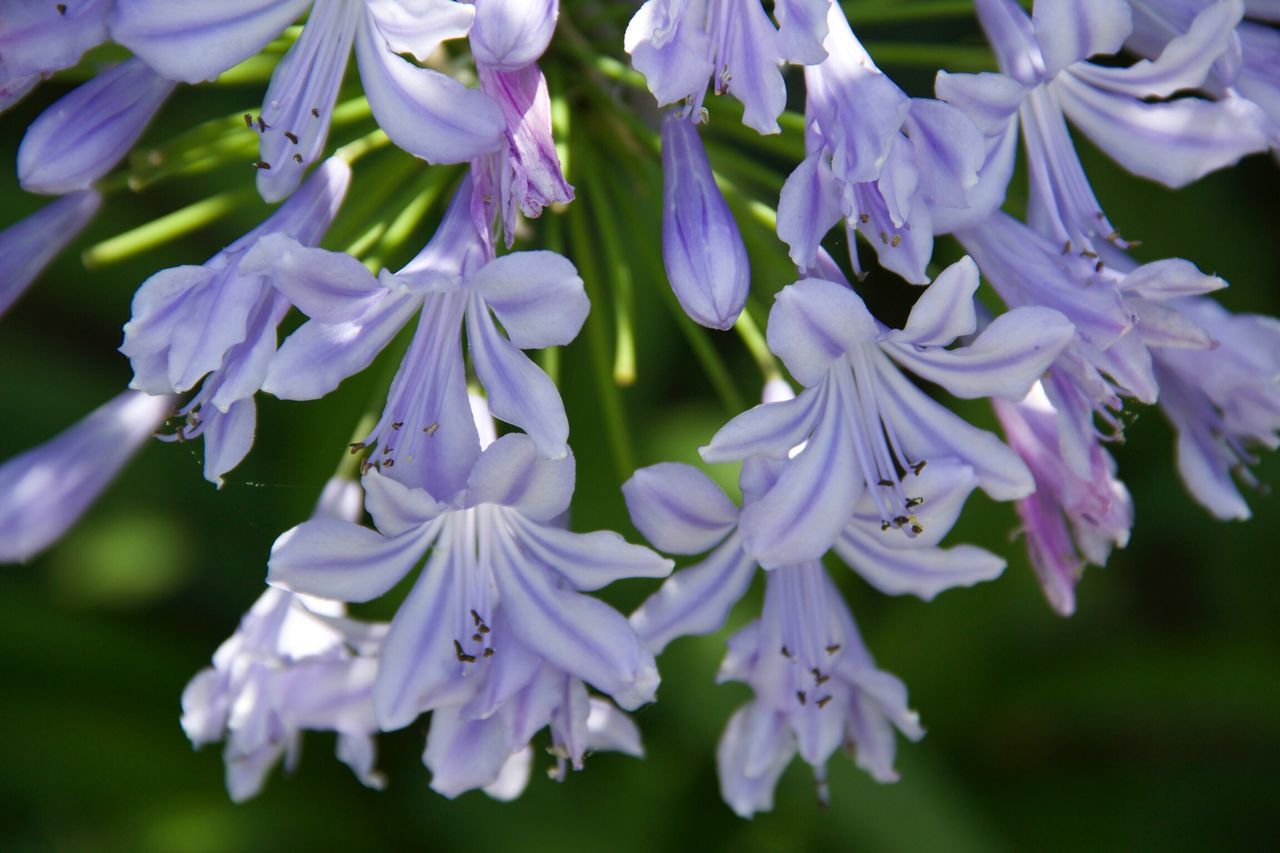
column 1151, row 720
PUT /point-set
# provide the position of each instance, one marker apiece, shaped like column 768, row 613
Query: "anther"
column 1097, row 267
column 476, row 617
column 62, row 8
column 884, row 236
column 884, row 482
column 800, row 695
column 387, row 463
column 896, row 241
column 914, row 502
column 822, row 703
column 263, row 165
column 488, row 652
column 864, row 218
column 315, row 112
column 291, row 136
column 248, row 121
column 357, row 446
column 818, row 678
column 263, row 127
column 297, row 158
column 1088, row 253
column 833, row 648
column 1066, row 248
column 462, row 656
column 397, row 425
column 918, row 467
column 786, row 653
column 431, row 430
column 477, row 638
column 900, row 520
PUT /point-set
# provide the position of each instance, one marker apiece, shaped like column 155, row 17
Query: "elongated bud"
column 702, row 248
column 82, row 136
column 45, row 490
column 29, row 246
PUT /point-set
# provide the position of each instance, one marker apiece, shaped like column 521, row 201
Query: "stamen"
column 462, row 656
column 289, row 135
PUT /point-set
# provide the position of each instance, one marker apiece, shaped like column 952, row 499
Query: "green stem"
column 165, row 229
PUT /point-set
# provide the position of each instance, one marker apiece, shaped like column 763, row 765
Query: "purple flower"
column 1069, row 521
column 37, row 39
column 46, row 489
column 702, row 249
column 426, row 436
column 867, row 427
column 681, row 46
column 425, row 112
column 875, row 158
column 215, row 325
column 31, row 245
column 1222, row 401
column 1128, row 112
column 287, row 668
column 84, row 134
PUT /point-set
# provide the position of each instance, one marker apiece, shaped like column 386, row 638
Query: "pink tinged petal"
column 426, row 113
column 228, row 436
column 1183, row 64
column 990, row 100
column 344, row 561
column 1168, row 279
column 753, row 751
column 509, row 34
column 589, row 561
column 31, row 245
column 417, row 27
column 1071, row 30
column 944, row 310
column 580, row 635
column 511, row 473
column 678, row 508
column 463, row 755
column 752, row 67
column 813, row 499
column 802, row 28
column 809, row 205
column 36, row 38
column 86, row 133
column 922, row 572
column 674, row 56
column 696, row 600
column 395, row 507
column 813, row 323
column 702, row 249
column 1003, row 361
column 609, row 729
column 1175, row 142
column 770, row 428
column 46, row 489
column 299, row 102
column 537, row 296
column 519, row 392
column 193, row 41
column 928, row 429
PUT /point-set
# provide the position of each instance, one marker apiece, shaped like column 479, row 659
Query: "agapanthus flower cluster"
column 498, row 637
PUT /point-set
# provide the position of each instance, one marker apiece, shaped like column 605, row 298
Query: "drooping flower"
column 495, row 635
column 1223, row 402
column 1130, row 113
column 423, row 111
column 214, row 325
column 85, row 133
column 29, row 246
column 426, row 436
column 682, row 46
column 702, row 249
column 1069, row 521
column 294, row 663
column 524, row 175
column 867, row 426
column 37, row 39
column 46, row 489
column 876, row 159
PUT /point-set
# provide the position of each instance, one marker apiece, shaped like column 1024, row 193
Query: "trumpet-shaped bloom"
column 31, row 245
column 46, row 489
column 289, row 667
column 702, row 249
column 682, row 46
column 1069, row 521
column 1130, row 113
column 499, row 602
column 1222, row 402
column 84, row 134
column 875, row 158
column 215, row 325
column 425, row 112
column 426, row 436
column 868, row 428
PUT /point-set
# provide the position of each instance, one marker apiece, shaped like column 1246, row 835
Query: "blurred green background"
column 1151, row 720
